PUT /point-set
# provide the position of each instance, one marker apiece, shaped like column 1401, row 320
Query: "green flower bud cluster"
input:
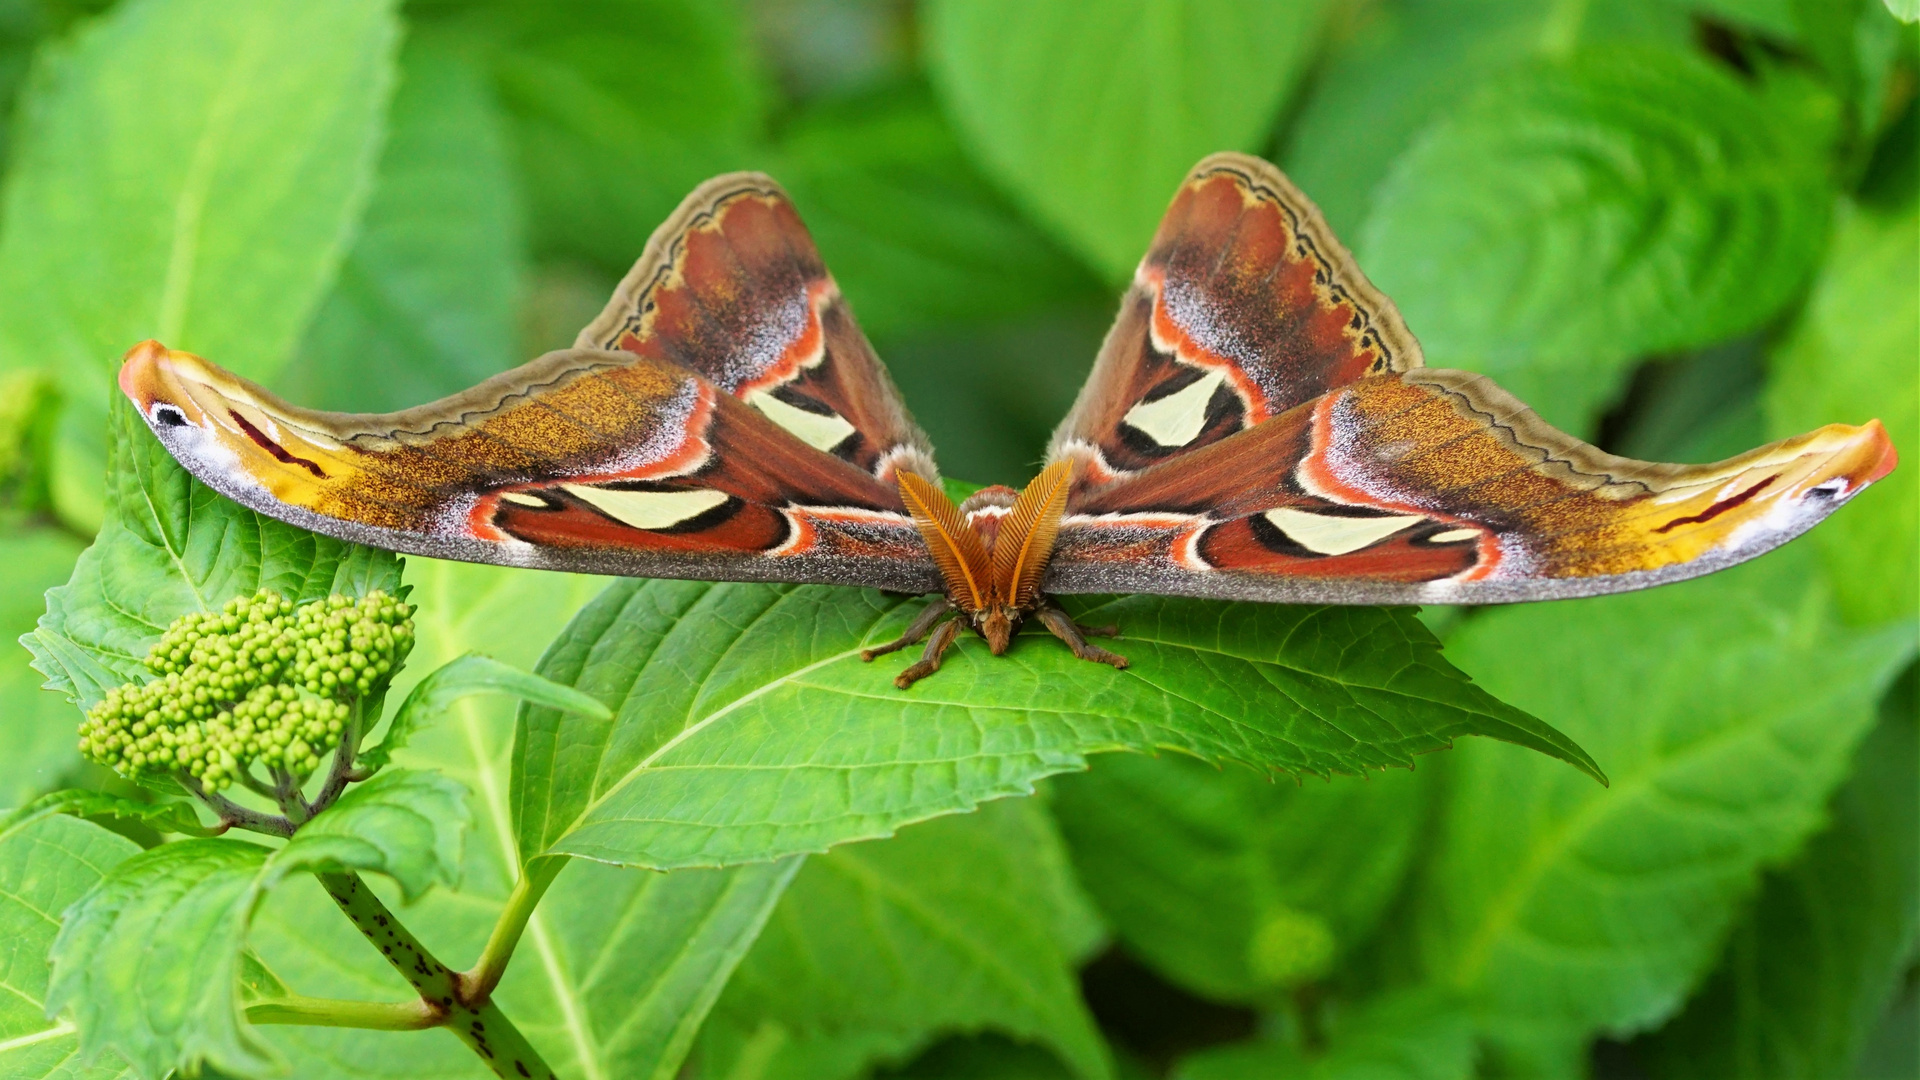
column 262, row 680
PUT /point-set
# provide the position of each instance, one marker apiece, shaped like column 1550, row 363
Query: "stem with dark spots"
column 478, row 1023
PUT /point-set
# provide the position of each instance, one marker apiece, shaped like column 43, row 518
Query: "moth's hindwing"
column 1436, row 486
column 732, row 288
column 1244, row 307
column 598, row 461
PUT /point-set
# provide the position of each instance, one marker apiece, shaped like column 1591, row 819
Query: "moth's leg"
column 1109, row 630
column 939, row 609
column 929, row 661
column 1064, row 628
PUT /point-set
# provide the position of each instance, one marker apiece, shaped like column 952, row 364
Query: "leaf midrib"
column 1504, row 908
column 796, row 677
column 20, row 1042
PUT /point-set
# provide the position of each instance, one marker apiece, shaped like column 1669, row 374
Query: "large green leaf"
column 1575, row 215
column 1413, row 1035
column 1407, row 64
column 209, row 213
column 1232, row 884
column 424, row 303
column 148, row 963
column 961, row 924
column 913, row 234
column 618, row 108
column 36, row 728
column 1726, row 708
column 1809, row 971
column 1090, row 113
column 747, row 728
column 46, row 863
column 169, row 546
column 617, row 968
column 1848, row 357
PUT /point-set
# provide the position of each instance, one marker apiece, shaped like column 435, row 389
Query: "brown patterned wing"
column 604, row 462
column 1437, row 486
column 1244, row 307
column 731, row 287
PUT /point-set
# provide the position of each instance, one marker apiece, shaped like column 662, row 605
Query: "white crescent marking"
column 648, row 509
column 819, row 432
column 1326, row 534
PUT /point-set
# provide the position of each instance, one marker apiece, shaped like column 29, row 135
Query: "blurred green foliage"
column 1678, row 227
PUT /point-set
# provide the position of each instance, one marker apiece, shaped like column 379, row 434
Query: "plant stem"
column 478, row 1023
column 342, row 769
column 232, row 813
column 329, row 1012
column 480, row 980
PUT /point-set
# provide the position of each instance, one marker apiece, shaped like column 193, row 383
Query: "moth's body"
column 992, row 551
column 1258, row 425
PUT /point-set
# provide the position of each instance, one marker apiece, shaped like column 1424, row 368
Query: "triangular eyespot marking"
column 1178, row 418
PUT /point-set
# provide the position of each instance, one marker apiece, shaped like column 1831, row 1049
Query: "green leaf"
column 914, row 235
column 211, row 214
column 149, row 962
column 166, row 816
column 463, row 676
column 965, row 923
column 1810, row 970
column 47, row 862
column 1232, row 884
column 604, row 152
column 1406, row 65
column 186, row 904
column 747, row 728
column 424, row 303
column 408, row 824
column 1574, row 216
column 37, row 737
column 1727, row 708
column 1907, row 11
column 1091, row 113
column 1412, row 1035
column 170, row 545
column 617, row 969
column 1848, row 357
